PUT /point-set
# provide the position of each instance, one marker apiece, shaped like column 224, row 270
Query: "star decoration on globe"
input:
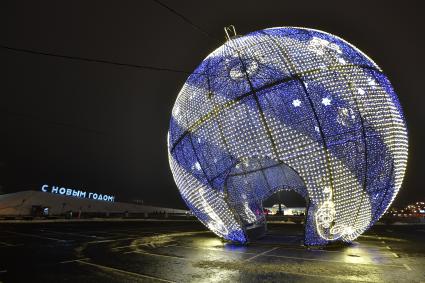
column 296, row 102
column 326, row 101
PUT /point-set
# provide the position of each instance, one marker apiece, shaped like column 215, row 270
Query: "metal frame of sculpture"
column 288, row 109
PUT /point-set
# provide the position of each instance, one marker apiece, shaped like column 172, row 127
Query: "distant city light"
column 412, row 210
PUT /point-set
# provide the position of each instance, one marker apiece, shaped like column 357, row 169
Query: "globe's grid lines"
column 216, row 111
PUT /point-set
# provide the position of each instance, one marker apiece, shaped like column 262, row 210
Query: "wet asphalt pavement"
column 184, row 251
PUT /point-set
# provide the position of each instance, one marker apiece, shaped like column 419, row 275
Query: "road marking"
column 381, row 238
column 280, row 247
column 290, row 257
column 177, row 234
column 213, row 249
column 125, row 272
column 123, row 231
column 407, row 267
column 260, row 254
column 116, row 233
column 151, row 244
column 160, row 255
column 10, row 245
column 336, row 261
column 36, row 236
column 101, row 241
column 74, row 260
column 130, row 246
column 73, row 234
column 112, row 240
column 395, row 255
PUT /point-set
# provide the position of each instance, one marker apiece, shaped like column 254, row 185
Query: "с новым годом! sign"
column 76, row 193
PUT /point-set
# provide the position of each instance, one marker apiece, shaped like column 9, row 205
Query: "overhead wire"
column 36, row 118
column 110, row 62
column 102, row 61
column 86, row 59
column 184, row 18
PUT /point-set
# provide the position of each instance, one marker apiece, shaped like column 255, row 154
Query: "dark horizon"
column 102, row 127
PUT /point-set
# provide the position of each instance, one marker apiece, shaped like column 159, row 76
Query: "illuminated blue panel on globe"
column 288, row 109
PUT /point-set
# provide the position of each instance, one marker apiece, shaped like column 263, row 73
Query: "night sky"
column 102, row 127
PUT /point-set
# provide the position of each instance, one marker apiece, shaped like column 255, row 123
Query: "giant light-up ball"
column 288, row 109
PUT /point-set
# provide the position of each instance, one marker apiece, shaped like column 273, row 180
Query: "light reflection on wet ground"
column 186, row 252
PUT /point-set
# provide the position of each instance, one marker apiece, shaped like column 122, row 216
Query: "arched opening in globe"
column 286, row 203
column 255, row 186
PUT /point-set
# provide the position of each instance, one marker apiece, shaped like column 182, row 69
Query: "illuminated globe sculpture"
column 288, row 109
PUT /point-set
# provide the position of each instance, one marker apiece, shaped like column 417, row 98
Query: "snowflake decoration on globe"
column 288, row 109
